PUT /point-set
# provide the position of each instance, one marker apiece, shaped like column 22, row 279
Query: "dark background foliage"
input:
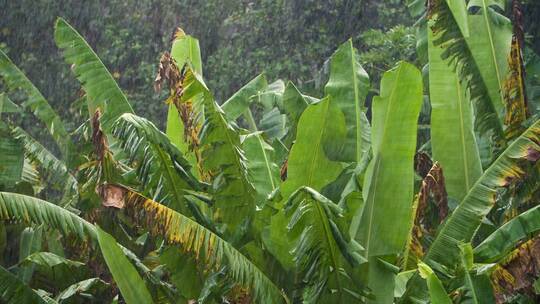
column 288, row 39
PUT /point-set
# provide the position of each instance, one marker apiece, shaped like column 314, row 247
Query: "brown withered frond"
column 173, row 77
column 433, row 187
column 178, row 34
column 170, row 74
column 111, row 195
column 98, row 138
column 515, row 99
column 422, row 164
column 517, row 273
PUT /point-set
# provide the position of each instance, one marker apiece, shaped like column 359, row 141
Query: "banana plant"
column 274, row 196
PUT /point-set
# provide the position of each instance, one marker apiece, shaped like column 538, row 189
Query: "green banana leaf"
column 437, row 293
column 505, row 238
column 322, row 249
column 12, row 157
column 163, row 171
column 222, row 156
column 7, row 106
column 348, row 86
column 127, row 278
column 49, row 260
column 294, row 104
column 33, row 211
column 263, row 171
column 101, row 89
column 239, row 103
column 321, row 128
column 13, row 290
column 53, row 170
column 93, row 287
column 453, row 142
column 480, row 58
column 15, row 80
column 395, row 115
column 388, row 186
column 476, row 288
column 30, row 242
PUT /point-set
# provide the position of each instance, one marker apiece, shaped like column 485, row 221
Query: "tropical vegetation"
column 422, row 188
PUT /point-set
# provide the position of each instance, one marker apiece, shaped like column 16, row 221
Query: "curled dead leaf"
column 112, row 195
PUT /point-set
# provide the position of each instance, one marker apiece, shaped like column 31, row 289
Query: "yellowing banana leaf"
column 223, row 158
column 185, row 49
column 467, row 217
column 505, row 238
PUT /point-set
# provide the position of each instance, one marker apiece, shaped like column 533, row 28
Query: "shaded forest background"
column 239, row 39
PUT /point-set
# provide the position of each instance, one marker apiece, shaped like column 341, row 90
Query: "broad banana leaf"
column 480, row 59
column 127, row 278
column 464, row 221
column 239, row 103
column 395, row 115
column 49, row 260
column 348, row 86
column 15, row 80
column 321, row 129
column 13, row 290
column 30, row 242
column 11, row 157
column 294, row 104
column 53, row 170
column 505, row 238
column 185, row 50
column 206, row 246
column 101, row 89
column 162, row 169
column 322, row 249
column 453, row 142
column 476, row 288
column 263, row 171
column 437, row 293
column 7, row 106
column 93, row 286
column 223, row 157
column 500, row 4
column 467, row 217
column 388, row 185
column 273, row 124
column 34, row 211
column 272, row 97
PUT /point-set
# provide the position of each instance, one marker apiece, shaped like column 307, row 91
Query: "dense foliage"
column 416, row 185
